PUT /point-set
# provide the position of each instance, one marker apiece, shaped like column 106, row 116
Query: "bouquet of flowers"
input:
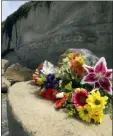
column 80, row 84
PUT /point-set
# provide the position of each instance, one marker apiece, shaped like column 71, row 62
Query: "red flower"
column 60, row 103
column 50, row 94
column 79, row 97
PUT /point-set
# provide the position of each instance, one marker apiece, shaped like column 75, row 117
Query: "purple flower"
column 49, row 85
column 99, row 75
column 51, row 82
column 50, row 77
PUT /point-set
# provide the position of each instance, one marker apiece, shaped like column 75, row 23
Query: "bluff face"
column 44, row 30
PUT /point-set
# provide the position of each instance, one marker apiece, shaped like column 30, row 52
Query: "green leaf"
column 68, row 86
column 65, row 90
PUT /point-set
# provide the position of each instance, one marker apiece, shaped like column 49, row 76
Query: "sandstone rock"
column 29, row 113
column 5, row 85
column 17, row 73
column 58, row 25
column 5, row 64
column 2, row 72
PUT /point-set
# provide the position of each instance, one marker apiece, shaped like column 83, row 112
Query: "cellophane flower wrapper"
column 90, row 57
column 80, row 83
column 49, row 68
column 66, row 72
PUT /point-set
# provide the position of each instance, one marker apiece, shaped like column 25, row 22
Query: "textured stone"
column 2, row 72
column 17, row 73
column 5, row 64
column 11, row 56
column 5, row 85
column 29, row 113
column 4, row 121
column 60, row 26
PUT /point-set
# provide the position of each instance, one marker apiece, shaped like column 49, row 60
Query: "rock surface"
column 58, row 25
column 11, row 56
column 37, row 116
column 2, row 72
column 4, row 65
column 17, row 73
column 5, row 85
column 4, row 121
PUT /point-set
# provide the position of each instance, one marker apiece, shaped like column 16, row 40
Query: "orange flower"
column 80, row 71
column 73, row 55
column 77, row 61
column 60, row 102
column 74, row 62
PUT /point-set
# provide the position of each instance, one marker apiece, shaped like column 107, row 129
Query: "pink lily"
column 99, row 75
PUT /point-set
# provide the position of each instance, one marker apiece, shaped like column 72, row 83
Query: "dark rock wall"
column 49, row 29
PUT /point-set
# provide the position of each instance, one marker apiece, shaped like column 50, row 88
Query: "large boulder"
column 44, row 30
column 5, row 85
column 18, row 73
column 11, row 56
column 29, row 114
column 4, row 121
column 5, row 64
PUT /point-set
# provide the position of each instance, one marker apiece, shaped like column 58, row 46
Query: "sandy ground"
column 4, row 122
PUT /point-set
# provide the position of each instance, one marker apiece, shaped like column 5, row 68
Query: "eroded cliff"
column 44, row 30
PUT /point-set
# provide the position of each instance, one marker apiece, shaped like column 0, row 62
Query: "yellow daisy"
column 98, row 117
column 95, row 100
column 85, row 112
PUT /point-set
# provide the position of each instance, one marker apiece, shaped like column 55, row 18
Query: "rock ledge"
column 38, row 117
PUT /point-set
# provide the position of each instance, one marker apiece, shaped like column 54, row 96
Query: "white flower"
column 60, row 83
column 60, row 95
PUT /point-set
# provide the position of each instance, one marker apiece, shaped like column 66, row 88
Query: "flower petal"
column 96, row 86
column 106, row 84
column 79, row 97
column 90, row 78
column 108, row 74
column 60, row 103
column 88, row 68
column 50, row 77
column 101, row 66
